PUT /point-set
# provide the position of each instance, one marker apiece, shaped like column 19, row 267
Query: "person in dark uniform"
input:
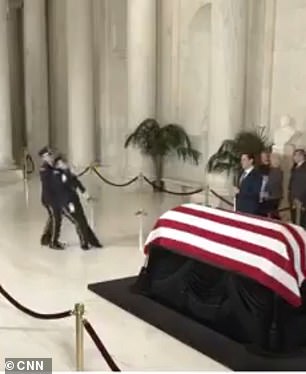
column 297, row 186
column 264, row 169
column 248, row 191
column 72, row 206
column 51, row 200
column 274, row 187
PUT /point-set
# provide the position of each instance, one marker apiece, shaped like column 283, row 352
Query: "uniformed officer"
column 72, row 208
column 51, row 199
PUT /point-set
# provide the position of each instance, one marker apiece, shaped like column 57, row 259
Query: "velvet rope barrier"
column 86, row 170
column 161, row 189
column 221, row 198
column 30, row 312
column 231, row 204
column 101, row 347
column 99, row 175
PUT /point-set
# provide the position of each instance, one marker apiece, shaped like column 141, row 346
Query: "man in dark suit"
column 264, row 169
column 297, row 186
column 51, row 200
column 250, row 183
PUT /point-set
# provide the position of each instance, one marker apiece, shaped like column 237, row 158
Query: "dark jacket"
column 274, row 186
column 50, row 187
column 69, row 184
column 297, row 183
column 74, row 182
column 247, row 200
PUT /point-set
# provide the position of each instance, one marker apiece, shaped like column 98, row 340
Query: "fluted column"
column 36, row 74
column 168, row 60
column 6, row 158
column 269, row 36
column 80, row 82
column 228, row 69
column 141, row 34
column 229, row 36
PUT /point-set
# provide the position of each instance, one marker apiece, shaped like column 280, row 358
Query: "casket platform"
column 239, row 276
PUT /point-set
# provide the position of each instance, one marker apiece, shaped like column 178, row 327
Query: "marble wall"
column 184, row 85
column 255, row 62
column 222, row 65
column 111, row 89
column 207, row 63
column 57, row 52
column 289, row 68
column 15, row 44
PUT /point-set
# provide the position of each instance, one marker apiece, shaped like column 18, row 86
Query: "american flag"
column 270, row 252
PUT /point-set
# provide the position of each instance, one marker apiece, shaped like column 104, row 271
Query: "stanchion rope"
column 101, row 347
column 231, row 204
column 30, row 312
column 86, row 170
column 99, row 175
column 161, row 189
column 221, row 197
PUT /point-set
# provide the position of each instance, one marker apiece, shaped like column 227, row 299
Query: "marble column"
column 80, row 82
column 6, row 158
column 229, row 47
column 228, row 69
column 141, row 46
column 168, row 22
column 269, row 36
column 36, row 74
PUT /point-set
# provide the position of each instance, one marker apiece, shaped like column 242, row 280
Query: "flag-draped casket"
column 270, row 252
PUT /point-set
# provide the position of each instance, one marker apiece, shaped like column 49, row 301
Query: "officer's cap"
column 44, row 151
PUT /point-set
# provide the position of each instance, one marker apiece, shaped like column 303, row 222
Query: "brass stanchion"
column 25, row 176
column 25, row 165
column 235, row 203
column 79, row 336
column 140, row 213
column 298, row 212
column 92, row 168
column 92, row 213
column 206, row 200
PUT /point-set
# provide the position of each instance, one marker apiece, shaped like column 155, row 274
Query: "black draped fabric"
column 227, row 302
column 253, row 306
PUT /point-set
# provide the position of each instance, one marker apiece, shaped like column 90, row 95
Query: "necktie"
column 243, row 175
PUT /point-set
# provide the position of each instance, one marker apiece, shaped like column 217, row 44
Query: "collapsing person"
column 72, row 206
column 51, row 199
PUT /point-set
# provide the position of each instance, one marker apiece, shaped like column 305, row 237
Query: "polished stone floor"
column 51, row 281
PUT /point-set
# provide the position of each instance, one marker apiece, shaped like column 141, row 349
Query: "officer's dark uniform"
column 70, row 184
column 264, row 206
column 52, row 201
column 297, row 191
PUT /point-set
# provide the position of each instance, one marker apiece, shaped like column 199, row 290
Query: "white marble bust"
column 283, row 134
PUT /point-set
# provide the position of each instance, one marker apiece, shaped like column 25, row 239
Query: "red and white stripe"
column 271, row 252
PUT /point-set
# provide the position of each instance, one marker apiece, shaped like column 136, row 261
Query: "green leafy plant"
column 159, row 142
column 227, row 157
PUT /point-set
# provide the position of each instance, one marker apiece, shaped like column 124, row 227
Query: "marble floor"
column 51, row 281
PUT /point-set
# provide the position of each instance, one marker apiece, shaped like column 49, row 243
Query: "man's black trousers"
column 52, row 229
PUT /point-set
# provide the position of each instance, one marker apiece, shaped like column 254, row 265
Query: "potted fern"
column 160, row 142
column 227, row 157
